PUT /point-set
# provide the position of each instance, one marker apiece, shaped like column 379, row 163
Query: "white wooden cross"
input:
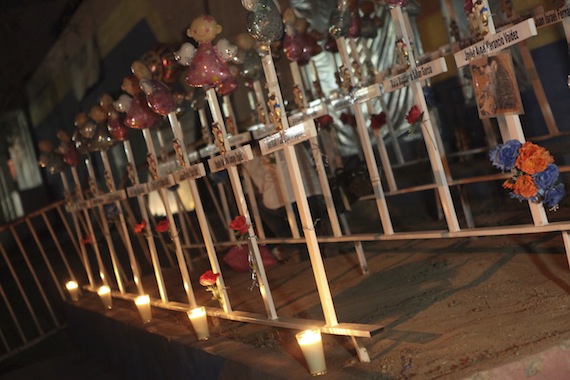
column 509, row 125
column 228, row 160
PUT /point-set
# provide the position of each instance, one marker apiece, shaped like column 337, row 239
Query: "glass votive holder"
column 311, row 345
column 143, row 305
column 199, row 321
column 73, row 290
column 104, row 293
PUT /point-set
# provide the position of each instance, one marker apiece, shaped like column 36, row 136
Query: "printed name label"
column 290, row 136
column 499, row 41
column 191, row 173
column 162, row 182
column 231, row 158
column 137, row 190
column 419, row 73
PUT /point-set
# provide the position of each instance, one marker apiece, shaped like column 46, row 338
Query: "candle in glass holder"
column 312, row 346
column 105, row 294
column 73, row 290
column 143, row 304
column 199, row 322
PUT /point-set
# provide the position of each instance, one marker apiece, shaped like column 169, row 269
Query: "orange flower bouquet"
column 534, row 177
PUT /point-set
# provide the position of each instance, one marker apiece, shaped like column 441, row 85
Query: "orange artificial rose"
column 525, row 187
column 209, row 278
column 239, row 224
column 533, row 158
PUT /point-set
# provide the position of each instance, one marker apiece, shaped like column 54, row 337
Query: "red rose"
column 140, row 227
column 414, row 115
column 209, row 278
column 378, row 121
column 87, row 240
column 239, row 224
column 348, row 118
column 324, row 121
column 162, row 226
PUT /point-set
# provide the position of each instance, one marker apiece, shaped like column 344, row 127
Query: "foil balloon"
column 139, row 115
column 355, row 25
column 162, row 64
column 81, row 143
column 264, row 21
column 330, row 44
column 396, row 3
column 229, row 85
column 51, row 162
column 123, row 103
column 206, row 66
column 293, row 47
column 67, row 149
column 340, row 20
column 117, row 128
column 101, row 140
column 251, row 67
column 158, row 96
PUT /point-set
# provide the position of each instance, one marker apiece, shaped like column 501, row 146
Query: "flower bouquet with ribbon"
column 534, row 176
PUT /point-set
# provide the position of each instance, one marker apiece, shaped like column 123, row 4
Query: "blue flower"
column 547, row 177
column 553, row 196
column 504, row 156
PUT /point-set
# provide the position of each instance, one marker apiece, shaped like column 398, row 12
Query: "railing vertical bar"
column 13, row 315
column 44, row 256
column 68, row 229
column 20, row 288
column 34, row 275
column 58, row 246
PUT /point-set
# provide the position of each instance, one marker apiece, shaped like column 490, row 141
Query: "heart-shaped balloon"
column 139, row 115
column 158, row 96
column 355, row 25
column 87, row 129
column 264, row 21
column 51, row 162
column 162, row 64
column 117, row 128
column 340, row 22
column 81, row 143
column 101, row 141
column 293, row 47
column 330, row 44
column 71, row 156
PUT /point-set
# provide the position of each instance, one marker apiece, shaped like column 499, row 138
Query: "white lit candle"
column 105, row 294
column 73, row 290
column 312, row 346
column 143, row 304
column 199, row 322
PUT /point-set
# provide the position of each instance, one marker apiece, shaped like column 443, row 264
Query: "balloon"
column 81, row 143
column 100, row 141
column 117, row 128
column 228, row 86
column 293, row 47
column 340, row 22
column 162, row 64
column 264, row 21
column 396, row 3
column 71, row 156
column 123, row 104
column 87, row 129
column 51, row 162
column 158, row 96
column 251, row 64
column 207, row 68
column 139, row 115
